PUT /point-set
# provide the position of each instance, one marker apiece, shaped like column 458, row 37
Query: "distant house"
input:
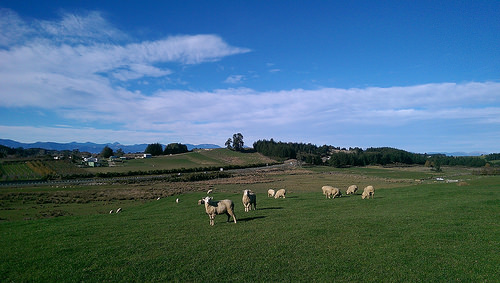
column 92, row 161
column 147, row 155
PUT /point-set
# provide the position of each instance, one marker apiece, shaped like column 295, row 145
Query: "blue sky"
column 422, row 76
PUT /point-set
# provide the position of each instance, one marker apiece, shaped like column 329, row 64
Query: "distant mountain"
column 88, row 146
column 474, row 153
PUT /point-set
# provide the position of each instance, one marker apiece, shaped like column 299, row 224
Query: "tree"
column 154, row 149
column 175, row 148
column 119, row 152
column 106, row 152
column 228, row 143
column 238, row 142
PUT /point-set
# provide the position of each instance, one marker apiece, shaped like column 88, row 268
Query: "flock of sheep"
column 331, row 192
column 249, row 200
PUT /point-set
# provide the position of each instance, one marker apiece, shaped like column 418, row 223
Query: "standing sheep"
column 270, row 193
column 213, row 208
column 367, row 192
column 330, row 191
column 280, row 193
column 248, row 199
column 351, row 190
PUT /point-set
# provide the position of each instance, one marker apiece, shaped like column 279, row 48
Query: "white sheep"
column 119, row 210
column 209, row 191
column 351, row 190
column 213, row 208
column 280, row 193
column 176, row 200
column 327, row 191
column 270, row 193
column 111, row 211
column 331, row 192
column 248, row 199
column 367, row 192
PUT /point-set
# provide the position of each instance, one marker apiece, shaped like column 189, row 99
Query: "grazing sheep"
column 327, row 191
column 158, row 198
column 336, row 193
column 331, row 192
column 248, row 199
column 111, row 211
column 367, row 192
column 213, row 208
column 209, row 191
column 280, row 193
column 177, row 200
column 119, row 210
column 270, row 193
column 351, row 190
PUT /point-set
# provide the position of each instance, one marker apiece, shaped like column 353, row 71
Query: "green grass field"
column 410, row 232
column 195, row 159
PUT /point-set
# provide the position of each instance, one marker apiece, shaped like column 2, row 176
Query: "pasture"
column 412, row 231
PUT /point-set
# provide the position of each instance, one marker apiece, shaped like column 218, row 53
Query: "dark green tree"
column 154, row 149
column 228, row 143
column 238, row 142
column 106, row 152
column 175, row 148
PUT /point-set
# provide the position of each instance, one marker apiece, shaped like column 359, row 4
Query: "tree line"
column 342, row 157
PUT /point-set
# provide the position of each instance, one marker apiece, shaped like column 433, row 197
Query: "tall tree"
column 106, row 152
column 238, row 142
column 154, row 149
column 228, row 143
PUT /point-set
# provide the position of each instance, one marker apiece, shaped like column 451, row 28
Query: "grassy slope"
column 426, row 232
column 198, row 158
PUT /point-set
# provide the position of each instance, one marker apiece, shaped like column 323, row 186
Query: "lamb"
column 270, row 193
column 213, row 208
column 330, row 191
column 367, row 192
column 280, row 193
column 351, row 190
column 248, row 199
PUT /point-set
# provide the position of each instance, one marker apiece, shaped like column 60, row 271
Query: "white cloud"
column 75, row 69
column 234, row 79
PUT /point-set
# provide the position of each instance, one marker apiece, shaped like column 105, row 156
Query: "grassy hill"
column 19, row 170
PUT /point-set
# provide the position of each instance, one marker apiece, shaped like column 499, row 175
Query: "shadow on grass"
column 250, row 218
column 265, row 208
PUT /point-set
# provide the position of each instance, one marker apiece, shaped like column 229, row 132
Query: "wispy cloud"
column 234, row 79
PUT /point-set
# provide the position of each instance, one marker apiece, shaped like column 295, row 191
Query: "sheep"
column 111, row 211
column 176, row 200
column 248, row 199
column 270, row 193
column 367, row 192
column 330, row 191
column 209, row 191
column 213, row 208
column 280, row 193
column 119, row 210
column 327, row 190
column 351, row 190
